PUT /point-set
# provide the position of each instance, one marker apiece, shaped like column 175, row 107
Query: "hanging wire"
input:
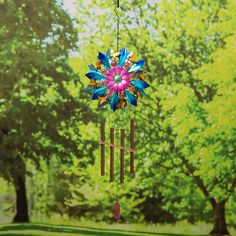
column 117, row 25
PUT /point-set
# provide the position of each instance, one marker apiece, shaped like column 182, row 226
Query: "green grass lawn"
column 41, row 229
column 37, row 229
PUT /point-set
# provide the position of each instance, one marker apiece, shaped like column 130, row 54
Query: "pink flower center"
column 118, row 79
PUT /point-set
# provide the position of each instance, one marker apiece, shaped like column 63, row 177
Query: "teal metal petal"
column 108, row 54
column 99, row 92
column 91, row 89
column 123, row 56
column 131, row 98
column 136, row 66
column 139, row 84
column 114, row 101
column 104, row 60
column 141, row 91
column 95, row 75
column 91, row 68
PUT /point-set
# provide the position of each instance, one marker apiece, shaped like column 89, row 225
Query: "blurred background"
column 185, row 126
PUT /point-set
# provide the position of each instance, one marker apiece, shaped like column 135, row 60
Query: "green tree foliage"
column 186, row 122
column 41, row 107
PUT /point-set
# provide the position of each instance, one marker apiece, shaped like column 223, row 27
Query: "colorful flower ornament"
column 116, row 79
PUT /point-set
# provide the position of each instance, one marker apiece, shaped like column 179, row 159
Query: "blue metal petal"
column 136, row 66
column 123, row 56
column 99, row 92
column 114, row 101
column 104, row 60
column 91, row 68
column 131, row 98
column 141, row 71
column 139, row 84
column 123, row 51
column 95, row 75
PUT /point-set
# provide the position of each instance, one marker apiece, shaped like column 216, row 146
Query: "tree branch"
column 198, row 180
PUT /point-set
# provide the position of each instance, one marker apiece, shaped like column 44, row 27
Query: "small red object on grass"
column 116, row 211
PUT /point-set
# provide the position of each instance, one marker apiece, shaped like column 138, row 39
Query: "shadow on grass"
column 81, row 230
column 11, row 234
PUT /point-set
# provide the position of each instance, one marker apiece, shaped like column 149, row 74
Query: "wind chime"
column 117, row 80
column 122, row 149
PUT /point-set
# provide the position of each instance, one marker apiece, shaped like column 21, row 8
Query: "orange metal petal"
column 102, row 102
column 141, row 75
column 101, row 97
column 132, row 58
column 139, row 94
column 94, row 65
column 98, row 64
column 123, row 106
column 92, row 83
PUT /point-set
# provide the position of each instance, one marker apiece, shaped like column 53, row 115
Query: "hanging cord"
column 118, row 25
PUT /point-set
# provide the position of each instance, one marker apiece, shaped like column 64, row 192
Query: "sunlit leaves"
column 72, row 88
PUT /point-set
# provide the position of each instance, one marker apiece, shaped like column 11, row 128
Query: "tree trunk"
column 220, row 226
column 21, row 201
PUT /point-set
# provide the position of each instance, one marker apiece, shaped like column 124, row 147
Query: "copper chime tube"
column 122, row 154
column 102, row 148
column 132, row 146
column 111, row 154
